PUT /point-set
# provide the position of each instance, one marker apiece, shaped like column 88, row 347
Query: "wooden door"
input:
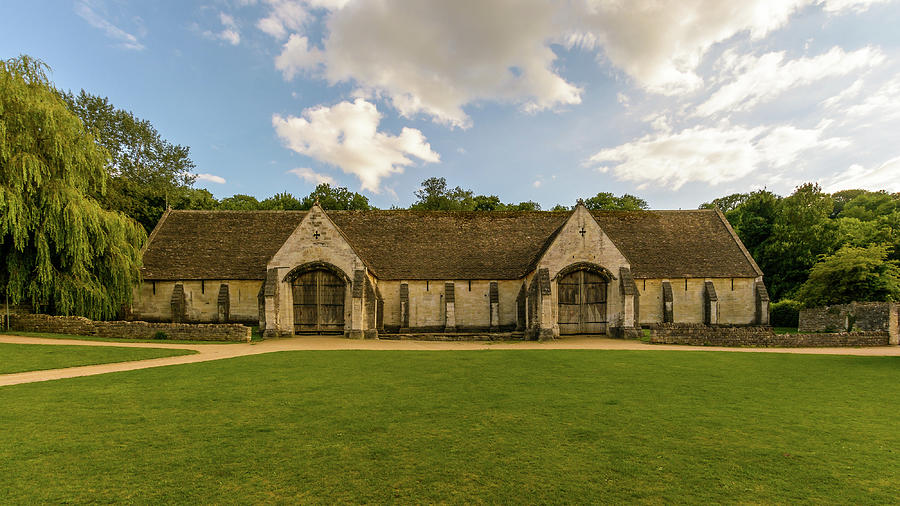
column 318, row 302
column 582, row 303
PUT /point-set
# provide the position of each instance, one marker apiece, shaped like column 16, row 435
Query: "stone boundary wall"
column 76, row 325
column 708, row 335
column 873, row 316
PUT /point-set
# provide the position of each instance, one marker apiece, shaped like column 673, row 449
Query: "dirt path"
column 207, row 352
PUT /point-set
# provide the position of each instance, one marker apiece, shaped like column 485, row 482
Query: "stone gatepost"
column 549, row 327
column 357, row 306
column 710, row 304
column 276, row 324
column 404, row 308
column 494, row 296
column 449, row 307
column 630, row 327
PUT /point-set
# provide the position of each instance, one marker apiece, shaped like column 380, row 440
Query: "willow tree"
column 60, row 250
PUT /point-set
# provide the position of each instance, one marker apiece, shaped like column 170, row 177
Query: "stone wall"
column 856, row 316
column 79, row 326
column 152, row 300
column 754, row 335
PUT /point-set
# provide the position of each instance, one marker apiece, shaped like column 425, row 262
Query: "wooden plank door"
column 318, row 302
column 306, row 307
column 581, row 297
column 331, row 302
column 593, row 308
column 569, row 303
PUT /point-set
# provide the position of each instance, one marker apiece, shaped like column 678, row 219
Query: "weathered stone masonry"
column 450, row 272
column 76, row 325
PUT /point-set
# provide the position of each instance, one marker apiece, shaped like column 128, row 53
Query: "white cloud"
column 761, row 79
column 284, row 16
column 126, row 40
column 231, row 33
column 853, row 5
column 709, row 154
column 346, row 135
column 211, row 178
column 882, row 104
column 296, row 56
column 310, row 176
column 884, row 177
column 435, row 57
column 537, row 183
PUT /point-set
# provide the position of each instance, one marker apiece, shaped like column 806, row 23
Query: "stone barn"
column 365, row 273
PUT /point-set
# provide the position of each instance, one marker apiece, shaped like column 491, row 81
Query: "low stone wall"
column 707, row 335
column 79, row 326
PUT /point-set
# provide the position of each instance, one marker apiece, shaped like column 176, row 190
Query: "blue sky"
column 678, row 102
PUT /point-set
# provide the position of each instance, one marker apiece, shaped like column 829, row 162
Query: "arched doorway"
column 582, row 302
column 318, row 302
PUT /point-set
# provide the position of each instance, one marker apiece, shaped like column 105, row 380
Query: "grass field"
column 475, row 426
column 35, row 357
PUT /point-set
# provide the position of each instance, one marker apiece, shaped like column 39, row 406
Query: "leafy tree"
column 608, row 201
column 281, row 202
column 841, row 198
column 434, row 195
column 754, row 218
column 528, row 205
column 239, row 202
column 852, row 274
column 802, row 231
column 147, row 173
column 62, row 251
column 868, row 206
column 336, row 198
column 487, row 203
column 559, row 207
column 727, row 203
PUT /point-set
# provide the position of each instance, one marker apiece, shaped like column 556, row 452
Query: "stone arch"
column 585, row 266
column 314, row 266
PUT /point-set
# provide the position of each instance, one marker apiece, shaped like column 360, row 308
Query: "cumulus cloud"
column 284, row 16
column 86, row 10
column 346, row 136
column 435, row 57
column 763, row 78
column 709, row 154
column 310, row 176
column 212, row 178
column 296, row 56
column 882, row 177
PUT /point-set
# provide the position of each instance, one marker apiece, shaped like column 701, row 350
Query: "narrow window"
column 645, row 285
column 732, row 284
column 202, row 286
column 470, row 285
column 426, row 285
column 154, row 288
column 685, row 284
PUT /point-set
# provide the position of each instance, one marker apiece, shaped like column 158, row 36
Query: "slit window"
column 154, row 288
column 685, row 284
column 470, row 285
column 202, row 286
column 426, row 285
column 732, row 284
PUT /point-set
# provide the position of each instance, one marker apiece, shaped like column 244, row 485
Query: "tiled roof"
column 677, row 244
column 216, row 244
column 442, row 245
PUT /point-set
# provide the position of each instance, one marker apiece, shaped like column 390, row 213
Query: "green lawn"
column 36, row 357
column 463, row 426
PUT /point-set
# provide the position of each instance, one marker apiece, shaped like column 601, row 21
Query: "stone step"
column 456, row 336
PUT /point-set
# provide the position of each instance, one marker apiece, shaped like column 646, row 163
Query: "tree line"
column 83, row 182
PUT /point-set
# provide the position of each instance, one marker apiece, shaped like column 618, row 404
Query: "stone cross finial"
column 580, row 202
column 317, row 201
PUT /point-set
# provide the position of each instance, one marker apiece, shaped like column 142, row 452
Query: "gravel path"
column 206, row 352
